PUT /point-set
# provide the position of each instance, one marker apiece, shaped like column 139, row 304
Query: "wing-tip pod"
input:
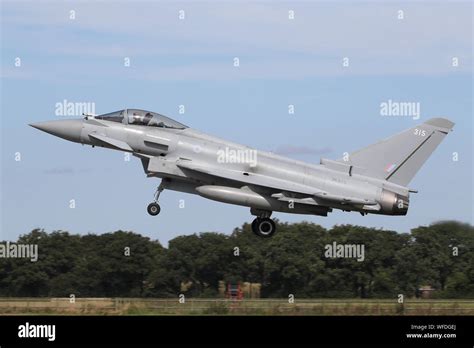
column 443, row 123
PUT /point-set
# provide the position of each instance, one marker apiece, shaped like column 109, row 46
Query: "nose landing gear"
column 154, row 208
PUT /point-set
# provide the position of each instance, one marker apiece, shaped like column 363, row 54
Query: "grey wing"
column 283, row 188
column 249, row 178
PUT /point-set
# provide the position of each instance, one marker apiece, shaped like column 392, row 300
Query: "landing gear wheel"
column 254, row 225
column 263, row 227
column 153, row 209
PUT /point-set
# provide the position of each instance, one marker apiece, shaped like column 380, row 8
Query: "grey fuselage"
column 162, row 150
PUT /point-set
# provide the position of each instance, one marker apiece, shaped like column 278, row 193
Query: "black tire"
column 254, row 227
column 153, row 209
column 263, row 227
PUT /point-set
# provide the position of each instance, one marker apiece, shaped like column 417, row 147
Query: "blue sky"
column 190, row 62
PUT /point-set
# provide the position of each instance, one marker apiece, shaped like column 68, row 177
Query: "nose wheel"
column 154, row 208
column 263, row 227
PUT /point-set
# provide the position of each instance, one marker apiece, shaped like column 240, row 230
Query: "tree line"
column 126, row 264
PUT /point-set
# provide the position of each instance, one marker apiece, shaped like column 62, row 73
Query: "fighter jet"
column 373, row 180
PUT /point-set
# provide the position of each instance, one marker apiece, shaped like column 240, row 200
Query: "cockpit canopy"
column 141, row 118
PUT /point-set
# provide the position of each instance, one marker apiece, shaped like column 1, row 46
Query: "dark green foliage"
column 292, row 262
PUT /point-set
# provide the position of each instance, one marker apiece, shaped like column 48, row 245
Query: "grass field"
column 140, row 306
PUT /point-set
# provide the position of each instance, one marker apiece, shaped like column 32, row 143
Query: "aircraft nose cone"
column 66, row 129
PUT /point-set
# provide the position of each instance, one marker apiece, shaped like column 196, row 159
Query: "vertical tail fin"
column 399, row 157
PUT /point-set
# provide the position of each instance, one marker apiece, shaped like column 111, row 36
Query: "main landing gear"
column 263, row 226
column 154, row 208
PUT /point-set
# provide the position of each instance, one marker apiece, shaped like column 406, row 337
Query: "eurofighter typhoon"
column 373, row 180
